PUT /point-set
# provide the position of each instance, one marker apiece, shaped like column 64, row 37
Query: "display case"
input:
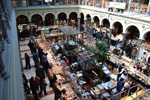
column 84, row 59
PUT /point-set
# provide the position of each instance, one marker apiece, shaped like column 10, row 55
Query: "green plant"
column 101, row 53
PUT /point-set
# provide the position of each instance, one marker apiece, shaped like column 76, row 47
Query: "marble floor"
column 29, row 73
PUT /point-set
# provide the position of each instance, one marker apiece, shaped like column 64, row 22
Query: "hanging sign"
column 118, row 5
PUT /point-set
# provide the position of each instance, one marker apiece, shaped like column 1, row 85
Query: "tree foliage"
column 101, row 53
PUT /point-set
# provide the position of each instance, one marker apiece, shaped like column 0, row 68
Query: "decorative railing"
column 135, row 7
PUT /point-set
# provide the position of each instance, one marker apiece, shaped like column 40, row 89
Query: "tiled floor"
column 29, row 73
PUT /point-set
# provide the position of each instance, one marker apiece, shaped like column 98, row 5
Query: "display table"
column 139, row 76
column 133, row 95
column 96, row 91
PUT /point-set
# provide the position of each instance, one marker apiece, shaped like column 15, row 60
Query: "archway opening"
column 88, row 20
column 146, row 36
column 62, row 18
column 37, row 19
column 82, row 18
column 49, row 19
column 22, row 19
column 73, row 18
column 132, row 32
column 118, row 28
column 96, row 22
column 106, row 23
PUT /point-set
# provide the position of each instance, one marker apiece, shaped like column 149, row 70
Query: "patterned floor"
column 29, row 73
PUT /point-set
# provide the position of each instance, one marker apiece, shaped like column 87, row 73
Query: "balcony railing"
column 27, row 3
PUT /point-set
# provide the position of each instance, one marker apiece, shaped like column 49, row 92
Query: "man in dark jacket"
column 57, row 89
column 31, row 46
column 41, row 53
column 119, row 85
column 40, row 72
column 25, row 83
column 45, row 63
column 36, row 58
column 33, row 86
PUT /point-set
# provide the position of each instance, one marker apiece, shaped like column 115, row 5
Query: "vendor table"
column 139, row 76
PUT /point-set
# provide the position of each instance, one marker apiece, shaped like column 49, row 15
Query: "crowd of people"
column 143, row 62
column 123, row 83
column 44, row 68
column 25, row 32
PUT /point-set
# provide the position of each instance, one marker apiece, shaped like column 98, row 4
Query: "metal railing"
column 129, row 92
column 27, row 3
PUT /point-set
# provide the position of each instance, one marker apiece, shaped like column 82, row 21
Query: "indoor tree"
column 101, row 53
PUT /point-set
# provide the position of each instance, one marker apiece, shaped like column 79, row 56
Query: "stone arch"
column 106, row 23
column 89, row 18
column 73, row 18
column 145, row 33
column 82, row 17
column 32, row 14
column 95, row 15
column 86, row 15
column 102, row 19
column 50, row 13
column 67, row 16
column 96, row 21
column 132, row 31
column 22, row 19
column 117, row 27
column 49, row 19
column 146, row 36
column 78, row 14
column 36, row 19
column 62, row 17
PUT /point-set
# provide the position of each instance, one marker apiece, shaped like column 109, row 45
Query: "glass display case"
column 84, row 59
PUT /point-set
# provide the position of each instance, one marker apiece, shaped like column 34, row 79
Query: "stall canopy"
column 68, row 30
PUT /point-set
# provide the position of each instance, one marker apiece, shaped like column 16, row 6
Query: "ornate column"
column 6, row 14
column 54, row 2
column 55, row 21
column 79, row 24
column 92, row 27
column 103, row 3
column 129, row 5
column 100, row 28
column 41, row 2
column 85, row 2
column 85, row 25
column 123, row 40
column 67, row 21
column 3, row 72
column 138, row 51
column 78, row 2
column 110, row 36
column 43, row 22
column 27, row 3
column 93, row 3
column 4, row 26
column 31, row 34
column 148, row 8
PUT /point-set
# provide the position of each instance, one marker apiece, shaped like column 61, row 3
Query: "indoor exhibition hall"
column 74, row 49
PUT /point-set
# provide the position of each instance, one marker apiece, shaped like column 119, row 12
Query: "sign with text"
column 118, row 5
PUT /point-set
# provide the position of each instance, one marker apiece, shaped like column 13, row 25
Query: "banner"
column 118, row 5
